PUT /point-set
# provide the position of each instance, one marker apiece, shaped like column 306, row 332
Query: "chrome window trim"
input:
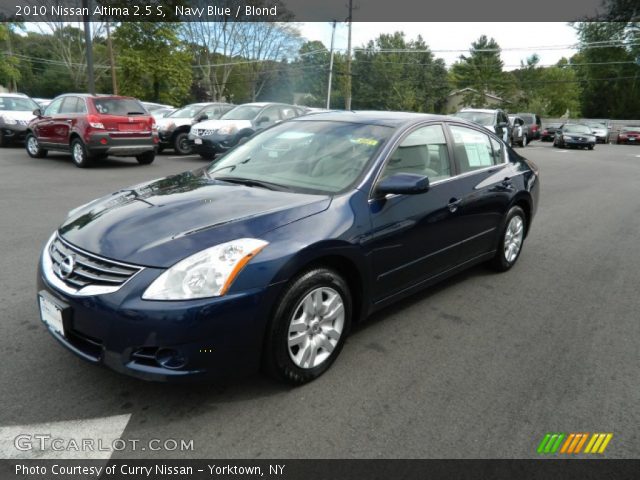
column 392, row 148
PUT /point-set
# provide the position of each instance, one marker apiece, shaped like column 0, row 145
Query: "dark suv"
column 93, row 127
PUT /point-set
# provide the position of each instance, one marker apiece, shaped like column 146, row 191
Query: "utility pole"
column 333, row 34
column 91, row 84
column 114, row 80
column 347, row 100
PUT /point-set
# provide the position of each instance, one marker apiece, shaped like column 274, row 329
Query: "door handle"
column 453, row 205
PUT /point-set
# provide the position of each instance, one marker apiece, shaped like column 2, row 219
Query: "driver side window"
column 54, row 107
column 423, row 152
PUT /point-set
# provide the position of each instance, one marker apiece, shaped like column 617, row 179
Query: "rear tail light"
column 94, row 122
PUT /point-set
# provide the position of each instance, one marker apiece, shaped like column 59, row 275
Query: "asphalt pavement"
column 481, row 366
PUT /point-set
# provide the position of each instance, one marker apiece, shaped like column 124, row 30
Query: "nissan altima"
column 266, row 257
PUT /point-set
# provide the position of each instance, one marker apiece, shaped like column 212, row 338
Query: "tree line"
column 176, row 63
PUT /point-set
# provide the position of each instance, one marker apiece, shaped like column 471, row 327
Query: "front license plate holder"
column 53, row 312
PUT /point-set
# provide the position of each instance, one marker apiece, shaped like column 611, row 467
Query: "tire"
column 299, row 349
column 591, row 147
column 511, row 240
column 79, row 154
column 146, row 158
column 181, row 144
column 524, row 142
column 33, row 147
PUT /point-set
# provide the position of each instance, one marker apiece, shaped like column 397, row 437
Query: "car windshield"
column 482, row 118
column 119, row 106
column 243, row 112
column 630, row 129
column 17, row 104
column 597, row 125
column 528, row 119
column 189, row 111
column 576, row 129
column 304, row 156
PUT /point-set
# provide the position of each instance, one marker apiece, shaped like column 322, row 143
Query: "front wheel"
column 511, row 240
column 309, row 327
column 181, row 144
column 146, row 158
column 591, row 147
column 33, row 147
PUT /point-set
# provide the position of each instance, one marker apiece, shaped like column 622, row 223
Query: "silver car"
column 519, row 131
column 600, row 129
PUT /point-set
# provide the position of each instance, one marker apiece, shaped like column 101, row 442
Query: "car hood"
column 164, row 123
column 23, row 115
column 579, row 135
column 163, row 221
column 599, row 131
column 217, row 124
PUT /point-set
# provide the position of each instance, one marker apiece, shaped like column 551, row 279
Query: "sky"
column 518, row 40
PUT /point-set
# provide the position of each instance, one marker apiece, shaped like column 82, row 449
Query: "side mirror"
column 403, row 184
column 202, row 118
column 37, row 112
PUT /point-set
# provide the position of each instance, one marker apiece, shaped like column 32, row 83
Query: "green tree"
column 607, row 70
column 9, row 64
column 153, row 63
column 392, row 73
column 482, row 71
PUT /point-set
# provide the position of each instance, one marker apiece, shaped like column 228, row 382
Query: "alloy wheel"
column 316, row 327
column 513, row 238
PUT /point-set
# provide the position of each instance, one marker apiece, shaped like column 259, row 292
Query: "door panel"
column 413, row 236
column 483, row 187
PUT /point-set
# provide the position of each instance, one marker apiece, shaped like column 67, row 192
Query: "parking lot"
column 481, row 366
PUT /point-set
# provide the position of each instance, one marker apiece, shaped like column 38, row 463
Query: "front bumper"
column 212, row 144
column 216, row 337
column 121, row 145
column 14, row 133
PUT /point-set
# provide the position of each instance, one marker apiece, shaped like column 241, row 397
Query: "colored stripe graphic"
column 573, row 443
column 550, row 443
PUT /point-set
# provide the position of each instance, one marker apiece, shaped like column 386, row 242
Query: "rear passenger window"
column 472, row 149
column 69, row 105
column 422, row 152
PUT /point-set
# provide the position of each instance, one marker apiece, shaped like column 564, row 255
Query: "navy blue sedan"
column 266, row 257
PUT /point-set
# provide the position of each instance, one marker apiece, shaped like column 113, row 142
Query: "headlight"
column 566, row 137
column 208, row 273
column 228, row 130
column 9, row 120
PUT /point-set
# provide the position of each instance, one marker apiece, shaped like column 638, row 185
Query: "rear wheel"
column 181, row 144
column 524, row 141
column 146, row 158
column 511, row 240
column 309, row 326
column 33, row 147
column 79, row 154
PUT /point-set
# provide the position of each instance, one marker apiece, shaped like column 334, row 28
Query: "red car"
column 629, row 135
column 93, row 127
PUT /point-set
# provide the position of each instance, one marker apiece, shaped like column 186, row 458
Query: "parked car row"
column 516, row 129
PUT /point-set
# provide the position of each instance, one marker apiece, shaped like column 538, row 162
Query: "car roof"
column 483, row 110
column 14, row 95
column 264, row 104
column 387, row 119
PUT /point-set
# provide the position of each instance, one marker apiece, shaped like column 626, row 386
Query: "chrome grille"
column 88, row 269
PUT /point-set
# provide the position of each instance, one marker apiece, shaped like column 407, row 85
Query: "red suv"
column 93, row 127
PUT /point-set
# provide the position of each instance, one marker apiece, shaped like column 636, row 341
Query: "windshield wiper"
column 249, row 182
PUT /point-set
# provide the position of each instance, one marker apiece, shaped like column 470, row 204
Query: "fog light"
column 103, row 141
column 170, row 358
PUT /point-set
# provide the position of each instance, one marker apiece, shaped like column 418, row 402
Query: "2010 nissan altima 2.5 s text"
column 266, row 257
